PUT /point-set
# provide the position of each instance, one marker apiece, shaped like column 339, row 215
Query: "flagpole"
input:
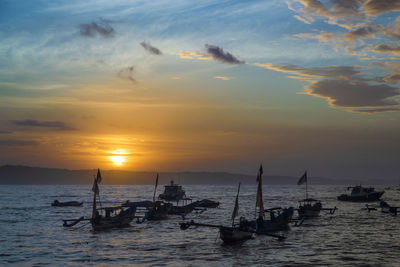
column 306, row 186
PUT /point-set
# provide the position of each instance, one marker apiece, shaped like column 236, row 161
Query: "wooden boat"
column 361, row 194
column 56, row 203
column 237, row 233
column 106, row 217
column 309, row 208
column 279, row 218
column 207, row 203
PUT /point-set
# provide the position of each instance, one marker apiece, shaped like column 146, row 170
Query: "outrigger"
column 106, row 217
column 385, row 208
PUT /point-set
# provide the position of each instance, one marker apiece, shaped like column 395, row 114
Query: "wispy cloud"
column 57, row 125
column 224, row 78
column 151, row 49
column 14, row 142
column 193, row 55
column 220, row 55
column 377, row 7
column 127, row 74
column 92, row 29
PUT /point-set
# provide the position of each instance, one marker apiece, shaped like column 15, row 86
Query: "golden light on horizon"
column 118, row 160
column 119, row 157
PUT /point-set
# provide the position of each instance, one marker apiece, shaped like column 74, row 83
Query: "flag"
column 96, row 181
column 235, row 212
column 98, row 177
column 303, row 179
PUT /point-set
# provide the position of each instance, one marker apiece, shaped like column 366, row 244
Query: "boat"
column 386, row 208
column 279, row 217
column 237, row 233
column 308, row 207
column 105, row 217
column 57, row 203
column 361, row 194
column 207, row 203
column 172, row 192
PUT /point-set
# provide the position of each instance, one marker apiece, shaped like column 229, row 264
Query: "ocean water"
column 31, row 231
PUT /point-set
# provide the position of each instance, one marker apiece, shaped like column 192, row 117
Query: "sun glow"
column 118, row 157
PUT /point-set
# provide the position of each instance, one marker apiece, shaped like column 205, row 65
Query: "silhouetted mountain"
column 35, row 175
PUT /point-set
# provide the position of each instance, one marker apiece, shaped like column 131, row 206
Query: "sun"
column 118, row 157
column 118, row 160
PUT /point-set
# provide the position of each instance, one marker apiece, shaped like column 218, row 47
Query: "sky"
column 207, row 85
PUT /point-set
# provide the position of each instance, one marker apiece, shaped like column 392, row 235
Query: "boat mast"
column 259, row 201
column 236, row 208
column 306, row 186
column 94, row 189
column 155, row 189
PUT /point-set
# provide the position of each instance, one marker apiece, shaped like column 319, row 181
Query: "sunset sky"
column 202, row 86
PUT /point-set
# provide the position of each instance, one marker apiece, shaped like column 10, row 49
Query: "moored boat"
column 361, row 194
column 172, row 192
column 57, row 203
column 309, row 208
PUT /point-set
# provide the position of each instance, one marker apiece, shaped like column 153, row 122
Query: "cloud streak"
column 94, row 29
column 151, row 49
column 58, row 125
column 220, row 55
column 13, row 142
column 127, row 74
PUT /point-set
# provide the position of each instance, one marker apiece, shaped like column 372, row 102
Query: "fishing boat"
column 279, row 217
column 361, row 194
column 172, row 192
column 237, row 233
column 105, row 217
column 57, row 203
column 308, row 207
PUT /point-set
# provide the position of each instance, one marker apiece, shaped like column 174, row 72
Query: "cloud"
column 151, row 49
column 127, row 74
column 58, row 125
column 343, row 72
column 220, row 55
column 224, row 78
column 12, row 142
column 194, row 55
column 383, row 48
column 362, row 32
column 343, row 93
column 92, row 29
column 375, row 110
column 377, row 7
column 342, row 86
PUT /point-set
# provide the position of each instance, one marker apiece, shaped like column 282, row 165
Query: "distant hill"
column 34, row 175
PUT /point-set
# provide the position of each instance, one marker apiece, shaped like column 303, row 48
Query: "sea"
column 31, row 231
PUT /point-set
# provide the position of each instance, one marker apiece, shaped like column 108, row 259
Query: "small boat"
column 231, row 234
column 361, row 194
column 386, row 208
column 105, row 217
column 57, row 203
column 308, row 207
column 207, row 203
column 172, row 192
column 276, row 222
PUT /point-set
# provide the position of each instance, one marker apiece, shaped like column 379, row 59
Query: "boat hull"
column 67, row 204
column 113, row 222
column 234, row 235
column 370, row 197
